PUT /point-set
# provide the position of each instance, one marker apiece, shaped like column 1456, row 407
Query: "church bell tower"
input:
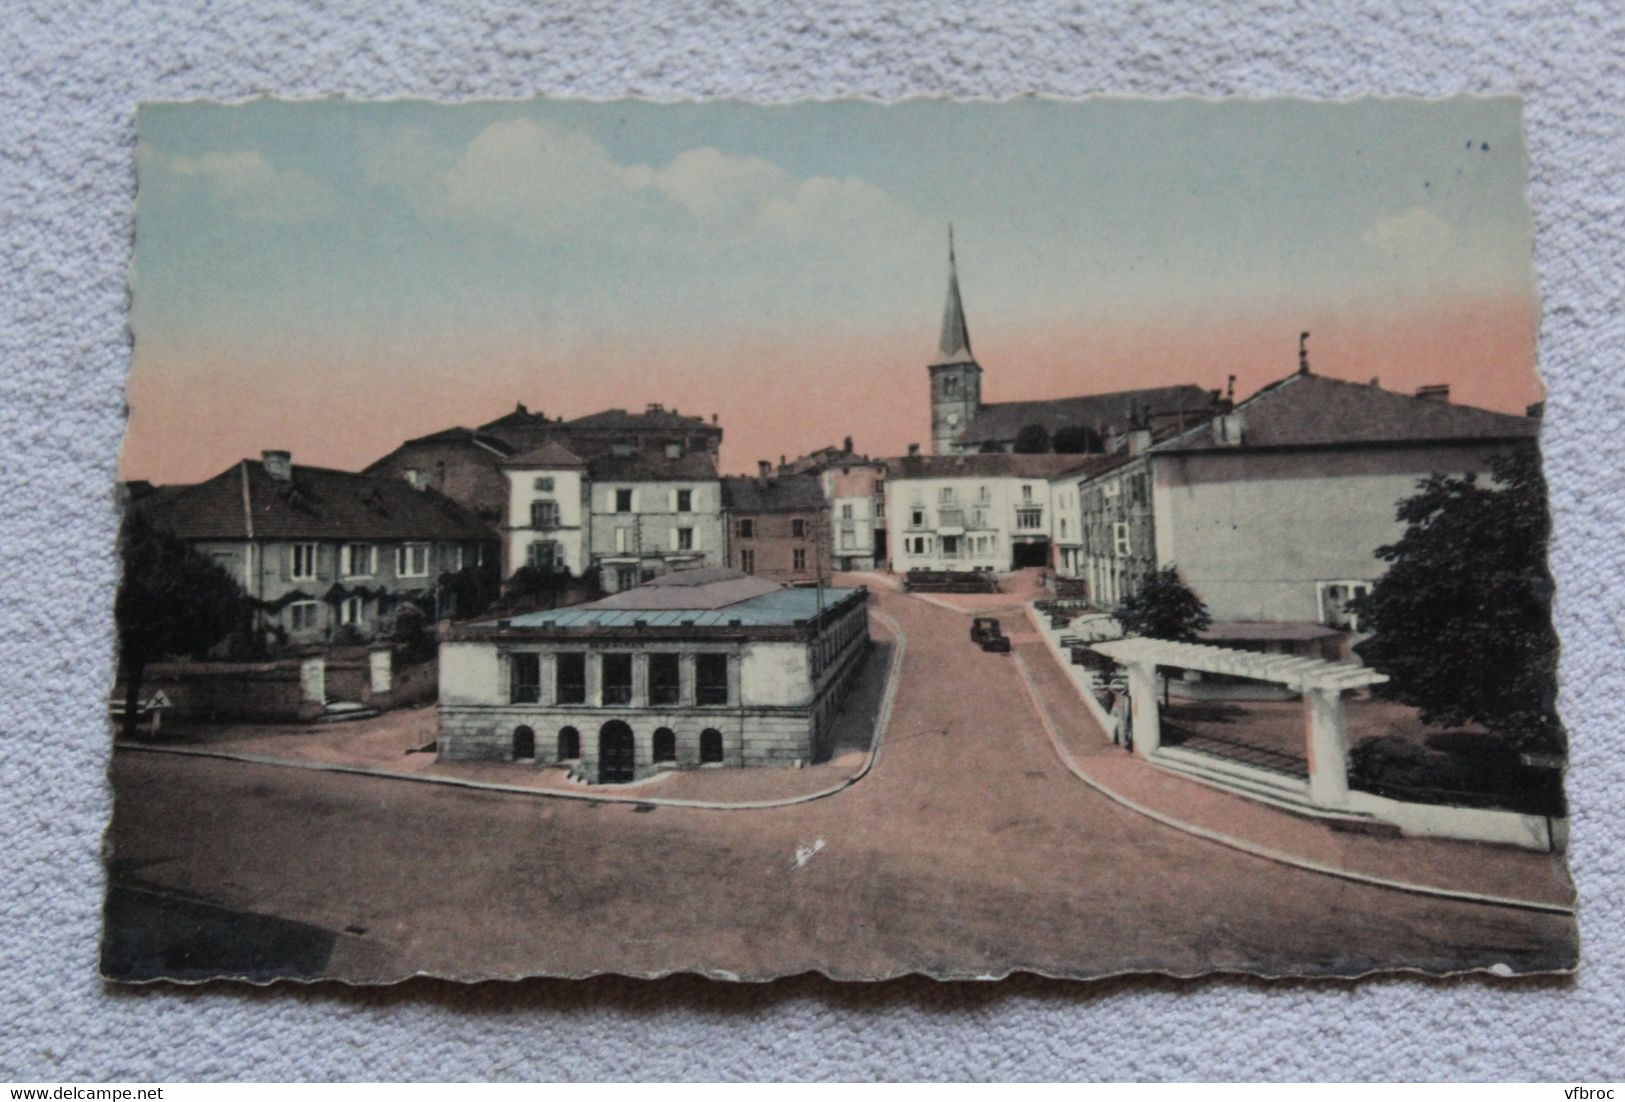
column 956, row 378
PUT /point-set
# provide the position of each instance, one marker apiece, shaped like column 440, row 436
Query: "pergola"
column 1321, row 682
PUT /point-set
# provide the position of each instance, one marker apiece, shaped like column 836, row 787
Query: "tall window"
column 710, row 745
column 663, row 683
column 525, row 679
column 543, row 554
column 916, row 518
column 1120, row 540
column 747, row 560
column 412, row 560
column 685, row 539
column 665, row 745
column 304, row 561
column 623, row 501
column 303, row 616
column 846, row 511
column 747, row 528
column 569, row 744
column 711, row 678
column 359, row 560
column 1026, row 493
column 544, row 514
column 946, row 493
column 950, row 384
column 570, row 678
column 350, row 610
column 799, row 559
column 685, row 501
column 617, row 670
column 798, row 529
column 625, row 577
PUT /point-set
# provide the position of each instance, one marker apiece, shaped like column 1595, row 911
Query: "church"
column 963, row 424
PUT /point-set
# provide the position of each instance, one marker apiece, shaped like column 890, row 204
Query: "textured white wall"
column 70, row 76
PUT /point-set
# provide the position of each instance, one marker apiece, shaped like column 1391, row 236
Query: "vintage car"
column 986, row 633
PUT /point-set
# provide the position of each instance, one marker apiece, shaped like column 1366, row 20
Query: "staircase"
column 1279, row 790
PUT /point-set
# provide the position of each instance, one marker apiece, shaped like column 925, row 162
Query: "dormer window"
column 544, row 484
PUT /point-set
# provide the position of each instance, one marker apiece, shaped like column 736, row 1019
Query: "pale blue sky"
column 420, row 241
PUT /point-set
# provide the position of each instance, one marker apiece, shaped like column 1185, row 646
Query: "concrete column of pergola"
column 1321, row 682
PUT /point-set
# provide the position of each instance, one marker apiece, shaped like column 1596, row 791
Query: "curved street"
column 968, row 851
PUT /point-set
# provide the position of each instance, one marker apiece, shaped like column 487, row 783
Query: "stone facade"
column 677, row 697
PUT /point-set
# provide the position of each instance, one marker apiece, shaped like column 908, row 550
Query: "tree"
column 538, row 587
column 171, row 601
column 1032, row 440
column 1164, row 607
column 1462, row 621
column 1076, row 440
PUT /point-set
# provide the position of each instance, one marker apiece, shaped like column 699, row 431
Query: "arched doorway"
column 617, row 761
column 524, row 744
column 569, row 744
column 710, row 745
column 665, row 745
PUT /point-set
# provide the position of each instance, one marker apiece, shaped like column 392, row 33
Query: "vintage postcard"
column 1073, row 537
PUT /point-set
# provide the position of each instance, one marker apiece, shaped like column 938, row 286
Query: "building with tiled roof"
column 990, row 512
column 466, row 464
column 777, row 526
column 1273, row 512
column 319, row 549
column 618, row 518
column 696, row 668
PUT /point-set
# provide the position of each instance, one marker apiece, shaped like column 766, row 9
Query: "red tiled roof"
column 315, row 503
column 1317, row 411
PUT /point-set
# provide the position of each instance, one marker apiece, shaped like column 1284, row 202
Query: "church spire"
column 954, row 347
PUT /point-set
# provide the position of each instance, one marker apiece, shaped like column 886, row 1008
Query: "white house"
column 974, row 512
column 546, row 522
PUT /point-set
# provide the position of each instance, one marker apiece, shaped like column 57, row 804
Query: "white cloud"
column 544, row 180
column 251, row 186
column 1416, row 227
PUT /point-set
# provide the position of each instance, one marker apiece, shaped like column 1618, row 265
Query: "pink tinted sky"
column 787, row 393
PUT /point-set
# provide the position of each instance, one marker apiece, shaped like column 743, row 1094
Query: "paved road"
column 967, row 851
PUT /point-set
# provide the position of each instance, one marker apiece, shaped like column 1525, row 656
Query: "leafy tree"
column 171, row 601
column 1032, row 440
column 1076, row 440
column 1164, row 607
column 1462, row 621
column 538, row 586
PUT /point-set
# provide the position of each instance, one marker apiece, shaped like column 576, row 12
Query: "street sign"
column 158, row 700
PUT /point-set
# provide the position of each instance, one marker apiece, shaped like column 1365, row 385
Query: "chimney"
column 713, row 418
column 846, row 445
column 1303, row 353
column 1229, row 390
column 1138, row 441
column 654, row 407
column 1434, row 392
column 278, row 464
column 519, row 407
column 762, row 469
column 913, row 451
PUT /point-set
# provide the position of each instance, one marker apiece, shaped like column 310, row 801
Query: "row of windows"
column 663, row 745
column 953, row 547
column 307, row 615
column 746, row 558
column 798, row 527
column 360, row 560
column 615, row 678
column 834, row 641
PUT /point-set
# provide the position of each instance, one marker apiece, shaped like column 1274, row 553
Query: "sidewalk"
column 1426, row 864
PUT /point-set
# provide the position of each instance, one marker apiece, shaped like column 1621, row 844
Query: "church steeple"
column 954, row 347
column 956, row 379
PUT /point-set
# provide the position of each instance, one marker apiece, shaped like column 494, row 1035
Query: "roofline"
column 1345, row 445
column 799, row 629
